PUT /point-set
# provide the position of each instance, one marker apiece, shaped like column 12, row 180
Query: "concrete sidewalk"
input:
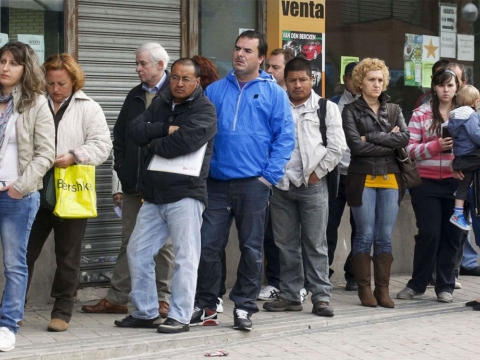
column 95, row 336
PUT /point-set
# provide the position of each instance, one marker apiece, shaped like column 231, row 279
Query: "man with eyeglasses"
column 254, row 142
column 180, row 122
column 151, row 60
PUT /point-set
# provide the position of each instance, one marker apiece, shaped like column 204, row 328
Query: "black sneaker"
column 172, row 326
column 351, row 285
column 241, row 320
column 203, row 317
column 282, row 304
column 132, row 322
column 322, row 308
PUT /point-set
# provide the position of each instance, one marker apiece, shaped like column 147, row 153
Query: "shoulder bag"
column 408, row 167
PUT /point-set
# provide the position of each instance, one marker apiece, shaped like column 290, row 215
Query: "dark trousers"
column 244, row 200
column 438, row 241
column 464, row 185
column 68, row 236
column 335, row 212
column 272, row 256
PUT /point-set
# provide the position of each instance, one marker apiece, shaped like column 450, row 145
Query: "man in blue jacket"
column 254, row 141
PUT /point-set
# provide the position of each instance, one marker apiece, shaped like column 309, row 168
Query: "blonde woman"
column 82, row 137
column 373, row 185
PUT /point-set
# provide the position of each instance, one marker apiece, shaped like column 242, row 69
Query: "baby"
column 464, row 127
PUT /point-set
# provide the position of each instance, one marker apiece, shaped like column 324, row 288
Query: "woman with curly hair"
column 438, row 240
column 82, row 137
column 27, row 149
column 373, row 185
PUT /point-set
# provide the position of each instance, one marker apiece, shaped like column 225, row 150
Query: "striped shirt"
column 425, row 148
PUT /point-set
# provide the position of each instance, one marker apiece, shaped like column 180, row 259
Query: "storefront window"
column 37, row 23
column 221, row 21
column 408, row 35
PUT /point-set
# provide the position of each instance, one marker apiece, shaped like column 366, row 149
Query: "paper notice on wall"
column 466, row 47
column 345, row 60
column 431, row 48
column 448, row 42
column 37, row 43
column 3, row 39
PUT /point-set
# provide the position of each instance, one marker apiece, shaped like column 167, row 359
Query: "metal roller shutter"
column 109, row 31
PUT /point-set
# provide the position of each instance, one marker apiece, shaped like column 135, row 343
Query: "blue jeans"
column 16, row 219
column 374, row 221
column 182, row 221
column 470, row 255
column 299, row 217
column 245, row 200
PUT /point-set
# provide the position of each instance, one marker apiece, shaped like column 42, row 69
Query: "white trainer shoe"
column 303, row 295
column 268, row 293
column 7, row 339
column 219, row 305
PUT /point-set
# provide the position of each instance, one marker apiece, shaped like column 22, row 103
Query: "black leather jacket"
column 375, row 155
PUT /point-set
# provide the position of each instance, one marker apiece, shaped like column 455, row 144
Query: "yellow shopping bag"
column 75, row 190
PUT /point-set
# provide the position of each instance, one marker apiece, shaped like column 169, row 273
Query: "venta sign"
column 303, row 9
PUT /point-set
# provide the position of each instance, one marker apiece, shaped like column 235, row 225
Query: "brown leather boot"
column 382, row 265
column 363, row 277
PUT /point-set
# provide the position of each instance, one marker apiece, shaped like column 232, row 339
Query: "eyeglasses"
column 185, row 80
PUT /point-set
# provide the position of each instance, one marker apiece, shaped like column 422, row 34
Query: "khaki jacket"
column 35, row 143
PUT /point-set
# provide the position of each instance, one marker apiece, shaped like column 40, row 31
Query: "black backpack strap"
column 322, row 114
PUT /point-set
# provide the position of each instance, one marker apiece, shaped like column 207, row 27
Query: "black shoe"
column 476, row 308
column 204, row 317
column 351, row 285
column 322, row 308
column 472, row 272
column 172, row 326
column 241, row 320
column 282, row 304
column 132, row 322
column 472, row 303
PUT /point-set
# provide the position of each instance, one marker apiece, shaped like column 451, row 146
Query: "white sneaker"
column 7, row 339
column 303, row 295
column 268, row 293
column 219, row 305
column 458, row 285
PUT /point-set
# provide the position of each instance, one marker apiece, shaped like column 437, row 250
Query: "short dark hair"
column 287, row 54
column 262, row 42
column 188, row 62
column 439, row 64
column 452, row 64
column 297, row 64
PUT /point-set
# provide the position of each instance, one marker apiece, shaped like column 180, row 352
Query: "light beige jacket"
column 35, row 143
column 83, row 131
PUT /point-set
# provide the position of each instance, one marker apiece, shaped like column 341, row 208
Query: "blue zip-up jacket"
column 464, row 126
column 255, row 129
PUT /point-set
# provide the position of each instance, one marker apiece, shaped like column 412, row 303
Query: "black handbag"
column 48, row 198
column 408, row 167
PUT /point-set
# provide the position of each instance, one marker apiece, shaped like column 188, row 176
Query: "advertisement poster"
column 36, row 42
column 309, row 46
column 419, row 54
column 412, row 56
